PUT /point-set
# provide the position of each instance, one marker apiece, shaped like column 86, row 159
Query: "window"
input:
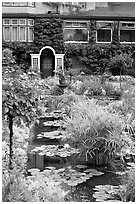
column 14, row 22
column 22, row 21
column 6, row 33
column 104, row 32
column 19, row 4
column 30, row 34
column 22, row 34
column 76, row 32
column 6, row 21
column 14, row 33
column 35, row 62
column 127, row 32
column 18, row 29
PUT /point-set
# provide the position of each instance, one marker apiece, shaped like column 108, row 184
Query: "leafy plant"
column 94, row 130
column 120, row 63
column 20, row 97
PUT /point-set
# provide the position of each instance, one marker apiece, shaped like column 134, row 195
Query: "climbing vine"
column 48, row 31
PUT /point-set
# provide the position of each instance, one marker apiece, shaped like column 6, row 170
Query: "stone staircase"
column 47, row 147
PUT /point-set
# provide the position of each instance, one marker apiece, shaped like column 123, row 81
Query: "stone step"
column 59, row 123
column 40, row 156
column 52, row 135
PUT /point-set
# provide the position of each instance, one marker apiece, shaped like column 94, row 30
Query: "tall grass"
column 94, row 129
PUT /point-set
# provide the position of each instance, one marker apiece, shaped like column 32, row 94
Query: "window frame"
column 15, row 26
column 11, row 26
column 22, row 24
column 20, row 4
column 6, row 19
column 104, row 29
column 127, row 22
column 9, row 32
column 76, row 27
column 28, row 31
column 25, row 34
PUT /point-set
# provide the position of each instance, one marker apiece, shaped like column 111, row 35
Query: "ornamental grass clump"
column 95, row 131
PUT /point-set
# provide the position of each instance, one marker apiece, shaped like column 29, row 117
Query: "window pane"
column 14, row 21
column 35, row 62
column 22, row 21
column 104, row 24
column 32, row 4
column 127, row 36
column 6, row 21
column 104, row 35
column 14, row 34
column 19, row 3
column 30, row 34
column 6, row 33
column 76, row 35
column 68, row 24
column 6, row 3
column 22, row 36
column 30, row 22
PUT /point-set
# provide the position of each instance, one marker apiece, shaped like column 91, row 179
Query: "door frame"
column 36, row 58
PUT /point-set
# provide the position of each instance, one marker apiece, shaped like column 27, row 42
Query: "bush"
column 94, row 129
column 121, row 63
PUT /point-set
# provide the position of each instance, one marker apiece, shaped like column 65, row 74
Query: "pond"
column 46, row 153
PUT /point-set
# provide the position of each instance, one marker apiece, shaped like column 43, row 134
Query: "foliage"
column 21, row 53
column 91, row 85
column 94, row 129
column 49, row 32
column 127, row 104
column 35, row 189
column 16, row 186
column 128, row 191
column 20, row 97
column 96, row 57
column 121, row 63
column 62, row 102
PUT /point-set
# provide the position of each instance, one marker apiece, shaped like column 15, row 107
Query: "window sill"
column 103, row 42
column 76, row 42
column 127, row 42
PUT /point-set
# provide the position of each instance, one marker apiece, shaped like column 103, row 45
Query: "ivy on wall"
column 49, row 32
column 92, row 32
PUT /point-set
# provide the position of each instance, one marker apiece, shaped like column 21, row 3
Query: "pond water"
column 41, row 155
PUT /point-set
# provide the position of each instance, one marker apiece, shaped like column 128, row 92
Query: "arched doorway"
column 47, row 63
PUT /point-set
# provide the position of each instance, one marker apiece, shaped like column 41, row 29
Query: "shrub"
column 94, row 129
column 121, row 63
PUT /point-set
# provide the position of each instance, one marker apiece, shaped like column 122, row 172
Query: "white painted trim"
column 61, row 56
column 47, row 47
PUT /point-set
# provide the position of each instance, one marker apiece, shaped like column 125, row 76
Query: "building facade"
column 19, row 19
